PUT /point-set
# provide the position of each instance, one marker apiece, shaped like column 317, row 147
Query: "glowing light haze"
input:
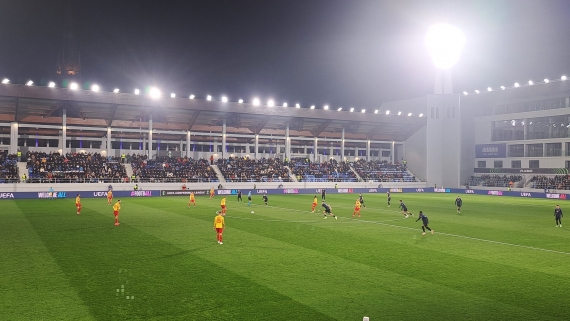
column 444, row 43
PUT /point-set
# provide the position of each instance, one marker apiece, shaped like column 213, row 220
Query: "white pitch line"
column 440, row 233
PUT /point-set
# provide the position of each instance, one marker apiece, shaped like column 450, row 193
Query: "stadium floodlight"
column 224, row 99
column 421, row 115
column 530, row 83
column 444, row 43
column 155, row 92
column 270, row 103
column 313, row 107
column 489, row 89
column 399, row 113
column 546, row 81
column 116, row 90
column 502, row 87
column 376, row 111
column 95, row 88
column 285, row 105
column 326, row 107
column 363, row 111
column 5, row 81
column 563, row 78
column 517, row 85
column 51, row 84
column 297, row 106
column 240, row 101
column 137, row 91
column 172, row 95
column 476, row 91
column 208, row 98
column 352, row 109
column 409, row 114
column 465, row 93
column 256, row 101
column 387, row 112
column 192, row 97
column 29, row 83
column 339, row 108
column 73, row 86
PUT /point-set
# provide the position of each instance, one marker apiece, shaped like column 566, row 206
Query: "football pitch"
column 501, row 258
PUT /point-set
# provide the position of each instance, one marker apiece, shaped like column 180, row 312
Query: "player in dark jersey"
column 361, row 200
column 458, row 203
column 239, row 196
column 389, row 197
column 265, row 199
column 558, row 216
column 323, row 194
column 405, row 211
column 425, row 223
column 328, row 210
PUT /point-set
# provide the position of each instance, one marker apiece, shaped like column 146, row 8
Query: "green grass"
column 500, row 259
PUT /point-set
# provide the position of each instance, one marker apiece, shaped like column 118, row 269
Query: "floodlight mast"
column 444, row 43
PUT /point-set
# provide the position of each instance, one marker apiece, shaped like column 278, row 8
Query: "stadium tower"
column 69, row 60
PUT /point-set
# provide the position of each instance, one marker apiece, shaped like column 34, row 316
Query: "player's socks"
column 335, row 217
column 431, row 231
column 423, row 229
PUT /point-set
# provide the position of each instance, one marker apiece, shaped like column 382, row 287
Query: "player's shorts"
column 110, row 198
column 219, row 229
column 78, row 204
column 223, row 207
column 249, row 198
column 328, row 211
column 191, row 200
column 116, row 213
column 389, row 199
column 361, row 202
column 404, row 209
column 357, row 208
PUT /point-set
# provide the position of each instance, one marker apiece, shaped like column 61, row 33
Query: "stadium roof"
column 87, row 110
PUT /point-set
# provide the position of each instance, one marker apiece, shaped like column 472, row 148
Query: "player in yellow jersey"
column 314, row 205
column 192, row 200
column 109, row 197
column 78, row 203
column 219, row 225
column 211, row 193
column 116, row 209
column 223, row 205
column 356, row 208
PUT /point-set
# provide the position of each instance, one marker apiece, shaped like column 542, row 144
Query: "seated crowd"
column 8, row 168
column 164, row 169
column 382, row 171
column 551, row 182
column 494, row 180
column 243, row 169
column 73, row 167
column 331, row 171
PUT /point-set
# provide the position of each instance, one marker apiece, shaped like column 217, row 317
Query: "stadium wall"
column 415, row 153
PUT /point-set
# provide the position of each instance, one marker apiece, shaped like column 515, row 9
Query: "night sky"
column 343, row 53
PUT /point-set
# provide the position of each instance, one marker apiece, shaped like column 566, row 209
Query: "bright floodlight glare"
column 546, row 80
column 517, row 85
column 95, row 88
column 270, row 103
column 191, row 96
column 326, row 107
column 502, row 87
column 224, row 99
column 387, row 112
column 563, row 78
column 116, row 90
column 29, row 83
column 5, row 81
column 256, row 101
column 51, row 84
column 465, row 93
column 421, row 115
column 477, row 91
column 285, row 105
column 363, row 111
column 530, row 82
column 409, row 114
column 297, row 106
column 339, row 108
column 313, row 107
column 489, row 89
column 352, row 109
column 155, row 93
column 208, row 98
column 399, row 113
column 172, row 95
column 137, row 91
column 240, row 101
column 73, row 86
column 444, row 43
column 376, row 111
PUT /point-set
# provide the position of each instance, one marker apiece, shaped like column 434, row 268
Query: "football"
column 252, row 212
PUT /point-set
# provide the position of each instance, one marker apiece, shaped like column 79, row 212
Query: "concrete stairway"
column 218, row 173
column 129, row 170
column 291, row 175
column 355, row 173
column 22, row 169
